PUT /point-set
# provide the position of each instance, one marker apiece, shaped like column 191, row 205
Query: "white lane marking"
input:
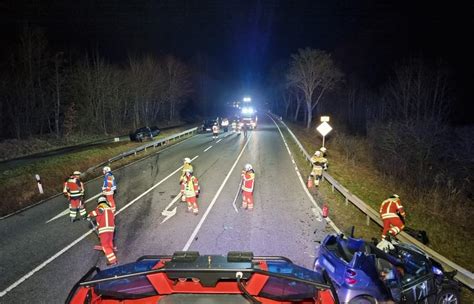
column 207, row 148
column 154, row 186
column 45, row 263
column 127, row 165
column 67, row 210
column 311, row 198
column 170, row 213
column 218, row 141
column 29, row 274
column 196, row 230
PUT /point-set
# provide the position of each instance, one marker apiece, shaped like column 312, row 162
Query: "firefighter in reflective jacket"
column 248, row 182
column 190, row 191
column 105, row 219
column 215, row 130
column 393, row 216
column 109, row 187
column 186, row 166
column 74, row 191
column 319, row 164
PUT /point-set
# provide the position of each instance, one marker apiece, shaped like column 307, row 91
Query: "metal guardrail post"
column 463, row 275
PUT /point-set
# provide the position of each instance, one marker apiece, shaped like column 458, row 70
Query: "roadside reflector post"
column 38, row 181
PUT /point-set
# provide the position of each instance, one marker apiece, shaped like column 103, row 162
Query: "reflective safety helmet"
column 76, row 173
column 317, row 153
column 106, row 169
column 394, row 196
column 248, row 167
column 102, row 199
column 323, row 149
column 187, row 160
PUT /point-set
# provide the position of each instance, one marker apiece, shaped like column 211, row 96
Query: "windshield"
column 133, row 287
column 286, row 289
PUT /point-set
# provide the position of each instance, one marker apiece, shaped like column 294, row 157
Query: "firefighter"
column 248, row 182
column 186, row 166
column 234, row 126
column 109, row 187
column 393, row 216
column 190, row 191
column 319, row 164
column 74, row 191
column 105, row 219
column 215, row 130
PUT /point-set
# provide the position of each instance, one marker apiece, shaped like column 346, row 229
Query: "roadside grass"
column 21, row 184
column 357, row 175
column 13, row 148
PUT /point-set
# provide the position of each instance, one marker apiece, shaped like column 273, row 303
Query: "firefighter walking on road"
column 190, row 191
column 215, row 131
column 186, row 166
column 109, row 187
column 319, row 164
column 74, row 191
column 393, row 216
column 248, row 183
column 105, row 219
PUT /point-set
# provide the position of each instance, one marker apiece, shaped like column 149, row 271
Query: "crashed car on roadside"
column 188, row 277
column 144, row 133
column 362, row 273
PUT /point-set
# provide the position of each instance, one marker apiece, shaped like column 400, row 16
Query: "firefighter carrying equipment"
column 190, row 191
column 74, row 191
column 248, row 183
column 393, row 216
column 319, row 164
column 109, row 187
column 105, row 219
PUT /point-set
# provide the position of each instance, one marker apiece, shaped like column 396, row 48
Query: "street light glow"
column 247, row 99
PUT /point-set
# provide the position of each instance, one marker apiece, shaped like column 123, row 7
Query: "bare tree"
column 179, row 84
column 419, row 92
column 313, row 72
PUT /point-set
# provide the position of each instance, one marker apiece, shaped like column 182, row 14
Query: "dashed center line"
column 207, row 148
column 218, row 141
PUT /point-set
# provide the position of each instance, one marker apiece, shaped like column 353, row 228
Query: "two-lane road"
column 282, row 223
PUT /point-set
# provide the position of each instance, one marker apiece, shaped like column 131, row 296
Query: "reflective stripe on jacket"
column 248, row 181
column 104, row 217
column 190, row 186
column 390, row 207
column 74, row 187
column 109, row 186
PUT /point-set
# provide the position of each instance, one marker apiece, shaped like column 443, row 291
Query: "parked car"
column 362, row 273
column 207, row 125
column 144, row 133
column 188, row 277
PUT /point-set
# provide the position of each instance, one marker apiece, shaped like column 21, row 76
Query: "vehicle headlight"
column 436, row 270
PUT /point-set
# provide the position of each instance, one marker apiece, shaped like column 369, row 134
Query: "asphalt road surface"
column 41, row 258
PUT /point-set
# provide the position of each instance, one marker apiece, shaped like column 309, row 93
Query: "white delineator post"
column 38, row 181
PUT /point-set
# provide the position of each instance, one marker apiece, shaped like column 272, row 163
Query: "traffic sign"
column 324, row 128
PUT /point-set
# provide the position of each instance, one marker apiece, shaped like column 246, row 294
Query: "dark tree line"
column 404, row 121
column 44, row 91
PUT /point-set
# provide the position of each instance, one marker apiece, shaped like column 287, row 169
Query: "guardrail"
column 153, row 144
column 463, row 275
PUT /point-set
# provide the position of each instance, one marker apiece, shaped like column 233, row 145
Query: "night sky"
column 243, row 39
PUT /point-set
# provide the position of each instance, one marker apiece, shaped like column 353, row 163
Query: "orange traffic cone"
column 310, row 182
column 325, row 210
